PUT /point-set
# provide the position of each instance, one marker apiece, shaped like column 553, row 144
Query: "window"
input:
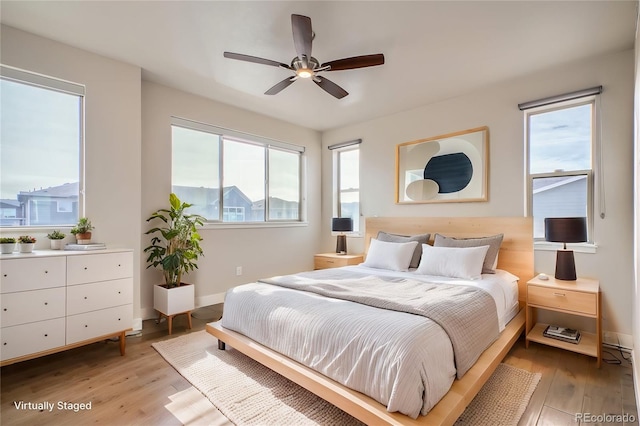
column 561, row 139
column 233, row 177
column 347, row 167
column 40, row 150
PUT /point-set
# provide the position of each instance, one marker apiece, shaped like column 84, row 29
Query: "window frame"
column 541, row 243
column 267, row 144
column 337, row 207
column 45, row 82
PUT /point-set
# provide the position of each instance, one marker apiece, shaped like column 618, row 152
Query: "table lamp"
column 565, row 230
column 341, row 224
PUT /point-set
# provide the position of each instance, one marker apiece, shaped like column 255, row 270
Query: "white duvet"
column 403, row 361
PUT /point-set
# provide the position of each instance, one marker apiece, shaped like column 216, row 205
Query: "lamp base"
column 565, row 265
column 341, row 244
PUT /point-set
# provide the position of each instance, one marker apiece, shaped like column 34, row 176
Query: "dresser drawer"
column 105, row 294
column 32, row 274
column 561, row 299
column 31, row 306
column 98, row 323
column 34, row 337
column 99, row 267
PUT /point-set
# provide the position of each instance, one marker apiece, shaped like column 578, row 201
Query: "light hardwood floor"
column 142, row 389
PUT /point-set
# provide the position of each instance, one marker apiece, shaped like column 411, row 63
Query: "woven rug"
column 248, row 393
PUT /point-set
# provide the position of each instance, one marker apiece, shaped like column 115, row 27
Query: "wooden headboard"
column 516, row 251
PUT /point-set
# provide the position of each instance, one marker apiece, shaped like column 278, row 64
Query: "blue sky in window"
column 40, row 138
column 560, row 140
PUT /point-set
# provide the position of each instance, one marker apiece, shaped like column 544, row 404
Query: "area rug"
column 248, row 393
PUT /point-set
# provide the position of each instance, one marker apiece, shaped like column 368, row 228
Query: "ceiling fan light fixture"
column 304, row 73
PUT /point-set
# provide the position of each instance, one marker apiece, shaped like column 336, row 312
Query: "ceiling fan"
column 306, row 66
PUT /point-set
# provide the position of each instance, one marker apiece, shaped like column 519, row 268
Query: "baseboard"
column 210, row 299
column 612, row 338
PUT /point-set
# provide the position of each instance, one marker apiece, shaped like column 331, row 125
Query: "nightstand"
column 580, row 297
column 335, row 260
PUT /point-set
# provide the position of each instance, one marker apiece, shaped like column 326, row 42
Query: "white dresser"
column 56, row 300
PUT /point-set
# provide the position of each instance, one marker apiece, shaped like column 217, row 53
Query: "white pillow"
column 455, row 262
column 393, row 256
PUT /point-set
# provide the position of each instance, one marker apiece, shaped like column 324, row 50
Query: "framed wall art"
column 444, row 169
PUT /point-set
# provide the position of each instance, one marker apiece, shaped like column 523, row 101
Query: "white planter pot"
column 57, row 244
column 7, row 248
column 174, row 300
column 26, row 247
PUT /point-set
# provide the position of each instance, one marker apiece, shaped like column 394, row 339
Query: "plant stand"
column 174, row 301
column 170, row 319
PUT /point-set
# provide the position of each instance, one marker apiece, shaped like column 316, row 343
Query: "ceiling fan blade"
column 281, row 86
column 255, row 59
column 302, row 36
column 355, row 62
column 330, row 87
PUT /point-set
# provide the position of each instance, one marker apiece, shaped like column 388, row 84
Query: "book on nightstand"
column 562, row 333
column 85, row 247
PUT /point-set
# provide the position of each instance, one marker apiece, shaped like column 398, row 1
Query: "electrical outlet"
column 238, row 270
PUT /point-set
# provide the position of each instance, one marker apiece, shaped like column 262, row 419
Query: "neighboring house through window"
column 346, row 160
column 41, row 142
column 561, row 139
column 233, row 177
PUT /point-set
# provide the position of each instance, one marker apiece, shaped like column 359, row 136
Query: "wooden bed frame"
column 516, row 256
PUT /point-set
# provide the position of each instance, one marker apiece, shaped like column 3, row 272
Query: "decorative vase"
column 84, row 238
column 176, row 300
column 26, row 247
column 7, row 248
column 57, row 244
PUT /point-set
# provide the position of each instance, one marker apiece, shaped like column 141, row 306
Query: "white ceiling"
column 433, row 50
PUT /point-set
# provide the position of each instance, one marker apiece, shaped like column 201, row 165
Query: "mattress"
column 404, row 361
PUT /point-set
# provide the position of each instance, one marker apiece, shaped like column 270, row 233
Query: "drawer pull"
column 4, row 344
column 5, row 309
column 5, row 275
column 46, row 272
column 559, row 294
column 85, row 298
column 85, row 268
column 119, row 292
column 46, row 335
column 86, row 326
column 46, row 303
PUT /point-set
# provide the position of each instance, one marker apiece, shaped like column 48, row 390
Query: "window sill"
column 577, row 248
column 247, row 225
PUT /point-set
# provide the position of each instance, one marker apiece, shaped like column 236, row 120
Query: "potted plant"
column 56, row 238
column 26, row 243
column 82, row 230
column 174, row 249
column 7, row 244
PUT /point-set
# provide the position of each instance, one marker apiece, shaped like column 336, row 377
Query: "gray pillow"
column 394, row 238
column 493, row 242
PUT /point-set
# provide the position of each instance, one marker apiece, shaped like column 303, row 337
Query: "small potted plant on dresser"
column 7, row 245
column 174, row 249
column 82, row 231
column 26, row 243
column 56, row 238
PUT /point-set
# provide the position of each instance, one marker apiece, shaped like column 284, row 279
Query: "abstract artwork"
column 447, row 168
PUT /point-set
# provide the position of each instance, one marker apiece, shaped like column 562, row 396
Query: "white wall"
column 260, row 251
column 112, row 134
column 496, row 107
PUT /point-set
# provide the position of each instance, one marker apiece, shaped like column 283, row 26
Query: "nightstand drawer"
column 332, row 260
column 566, row 300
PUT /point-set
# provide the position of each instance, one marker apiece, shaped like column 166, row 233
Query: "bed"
column 515, row 256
